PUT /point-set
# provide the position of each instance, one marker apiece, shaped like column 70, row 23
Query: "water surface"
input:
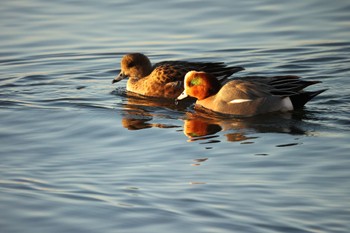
column 81, row 155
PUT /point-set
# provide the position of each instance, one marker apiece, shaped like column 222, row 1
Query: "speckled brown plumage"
column 165, row 79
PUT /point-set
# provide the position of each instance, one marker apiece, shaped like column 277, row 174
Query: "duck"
column 247, row 96
column 164, row 79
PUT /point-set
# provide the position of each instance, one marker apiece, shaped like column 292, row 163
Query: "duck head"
column 200, row 85
column 134, row 65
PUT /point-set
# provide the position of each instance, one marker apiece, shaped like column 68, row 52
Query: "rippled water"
column 80, row 155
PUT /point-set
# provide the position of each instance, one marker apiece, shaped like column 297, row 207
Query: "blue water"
column 79, row 154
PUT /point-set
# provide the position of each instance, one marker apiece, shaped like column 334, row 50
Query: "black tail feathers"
column 300, row 99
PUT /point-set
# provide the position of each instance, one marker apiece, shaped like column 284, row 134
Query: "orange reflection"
column 205, row 125
column 199, row 128
column 139, row 113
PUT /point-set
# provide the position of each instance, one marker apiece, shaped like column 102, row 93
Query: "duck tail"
column 300, row 99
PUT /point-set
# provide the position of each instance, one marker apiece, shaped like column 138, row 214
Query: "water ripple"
column 81, row 155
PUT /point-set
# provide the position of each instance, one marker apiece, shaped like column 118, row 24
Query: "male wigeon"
column 248, row 96
column 164, row 79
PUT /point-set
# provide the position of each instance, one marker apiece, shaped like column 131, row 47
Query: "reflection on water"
column 199, row 124
column 138, row 111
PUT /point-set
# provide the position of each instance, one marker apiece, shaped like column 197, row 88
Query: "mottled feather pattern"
column 180, row 68
column 165, row 79
column 168, row 72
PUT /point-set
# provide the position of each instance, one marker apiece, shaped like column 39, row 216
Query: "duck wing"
column 240, row 90
column 254, row 87
column 176, row 70
column 283, row 86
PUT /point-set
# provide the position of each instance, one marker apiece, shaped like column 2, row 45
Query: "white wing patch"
column 237, row 101
column 287, row 104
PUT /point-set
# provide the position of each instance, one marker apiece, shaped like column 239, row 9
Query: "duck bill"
column 120, row 76
column 183, row 95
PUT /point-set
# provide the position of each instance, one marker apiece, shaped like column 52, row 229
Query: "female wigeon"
column 248, row 96
column 164, row 79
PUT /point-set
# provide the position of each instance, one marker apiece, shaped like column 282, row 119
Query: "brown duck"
column 165, row 79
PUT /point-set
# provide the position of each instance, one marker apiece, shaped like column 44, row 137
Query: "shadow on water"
column 140, row 112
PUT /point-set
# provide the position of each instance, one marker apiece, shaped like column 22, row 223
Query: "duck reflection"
column 202, row 125
column 195, row 128
column 139, row 113
column 198, row 127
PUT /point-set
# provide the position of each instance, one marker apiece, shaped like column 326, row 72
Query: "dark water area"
column 79, row 154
